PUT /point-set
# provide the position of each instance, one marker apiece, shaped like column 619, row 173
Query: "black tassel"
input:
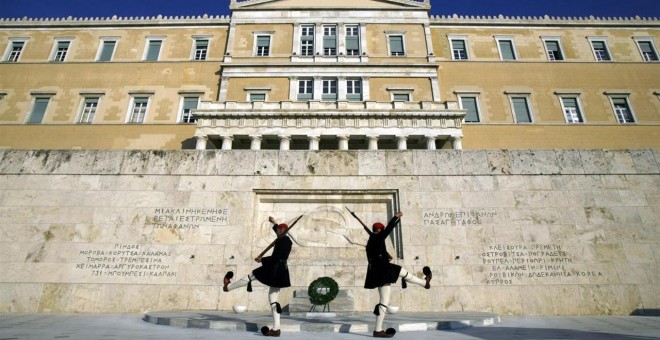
column 377, row 309
column 278, row 307
column 404, row 284
column 249, row 287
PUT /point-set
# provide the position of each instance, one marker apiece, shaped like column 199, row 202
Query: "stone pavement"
column 114, row 327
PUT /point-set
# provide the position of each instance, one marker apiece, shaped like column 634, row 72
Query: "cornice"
column 159, row 20
column 502, row 20
column 414, row 4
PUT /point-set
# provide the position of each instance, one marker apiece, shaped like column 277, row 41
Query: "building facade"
column 349, row 75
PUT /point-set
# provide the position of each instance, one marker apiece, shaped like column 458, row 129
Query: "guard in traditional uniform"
column 273, row 273
column 381, row 273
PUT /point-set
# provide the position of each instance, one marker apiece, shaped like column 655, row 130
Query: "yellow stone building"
column 358, row 74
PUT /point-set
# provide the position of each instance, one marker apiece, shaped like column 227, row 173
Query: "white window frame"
column 300, row 35
column 7, row 57
column 83, row 107
column 578, row 102
column 249, row 91
column 474, row 95
column 350, row 90
column 102, row 41
column 402, row 34
column 131, row 107
column 651, row 42
column 626, row 96
column 148, row 39
column 55, row 53
column 499, row 38
column 35, row 96
column 298, row 93
column 607, row 49
column 400, row 91
column 256, row 35
column 528, row 102
column 329, row 87
column 355, row 27
column 451, row 39
column 182, row 99
column 194, row 50
column 547, row 51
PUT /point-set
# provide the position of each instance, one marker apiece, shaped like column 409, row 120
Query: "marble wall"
column 552, row 232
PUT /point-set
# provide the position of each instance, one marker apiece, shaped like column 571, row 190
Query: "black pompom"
column 249, row 287
column 426, row 271
column 377, row 309
column 404, row 284
column 391, row 331
column 264, row 330
column 229, row 275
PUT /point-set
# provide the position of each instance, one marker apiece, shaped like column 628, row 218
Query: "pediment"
column 339, row 4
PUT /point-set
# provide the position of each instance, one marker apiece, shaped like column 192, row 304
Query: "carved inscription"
column 187, row 218
column 126, row 260
column 459, row 218
column 510, row 264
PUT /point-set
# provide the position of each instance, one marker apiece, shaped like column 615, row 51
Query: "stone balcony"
column 335, row 123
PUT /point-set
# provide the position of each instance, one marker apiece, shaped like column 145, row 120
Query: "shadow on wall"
column 646, row 312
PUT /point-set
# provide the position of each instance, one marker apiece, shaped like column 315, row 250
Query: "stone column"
column 457, row 142
column 318, row 39
column 343, row 142
column 373, row 142
column 293, row 88
column 201, row 142
column 365, row 89
column 256, row 142
column 341, row 39
column 402, row 143
column 318, row 88
column 227, row 142
column 430, row 143
column 314, row 142
column 285, row 142
column 341, row 88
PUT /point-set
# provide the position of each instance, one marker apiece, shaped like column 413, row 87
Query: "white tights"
column 384, row 294
column 273, row 296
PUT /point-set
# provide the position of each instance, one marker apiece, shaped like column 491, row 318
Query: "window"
column 38, row 111
column 305, row 89
column 647, row 49
column 521, row 109
column 622, row 109
column 601, row 53
column 459, row 49
column 329, row 89
column 262, row 45
column 353, row 40
column 138, row 111
column 400, row 97
column 471, row 104
column 14, row 50
column 90, row 104
column 572, row 111
column 61, row 50
column 257, row 97
column 329, row 40
column 307, row 40
column 396, row 45
column 201, row 49
column 107, row 50
column 153, row 49
column 353, row 89
column 553, row 49
column 188, row 104
column 506, row 48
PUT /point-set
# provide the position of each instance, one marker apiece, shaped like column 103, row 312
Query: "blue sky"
column 107, row 8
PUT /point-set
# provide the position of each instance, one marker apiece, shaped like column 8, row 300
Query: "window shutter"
column 470, row 104
column 39, row 110
column 396, row 44
column 521, row 110
column 190, row 103
column 506, row 46
column 106, row 50
column 352, row 43
column 458, row 44
column 154, row 50
column 263, row 41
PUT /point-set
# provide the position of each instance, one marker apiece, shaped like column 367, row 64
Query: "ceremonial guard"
column 273, row 273
column 381, row 273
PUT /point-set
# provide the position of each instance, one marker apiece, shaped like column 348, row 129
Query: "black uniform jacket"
column 380, row 271
column 274, row 271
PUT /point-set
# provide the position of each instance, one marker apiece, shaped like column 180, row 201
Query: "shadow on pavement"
column 511, row 333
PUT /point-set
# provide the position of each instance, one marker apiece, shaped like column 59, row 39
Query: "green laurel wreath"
column 322, row 282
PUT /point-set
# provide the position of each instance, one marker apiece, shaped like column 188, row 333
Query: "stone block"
column 400, row 163
column 569, row 162
column 620, row 162
column 449, row 162
column 184, row 162
column 372, row 163
column 522, row 162
column 209, row 162
column 595, row 162
column 108, row 162
column 476, row 162
column 499, row 162
column 266, row 163
column 644, row 161
column 236, row 162
column 293, row 163
column 36, row 162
